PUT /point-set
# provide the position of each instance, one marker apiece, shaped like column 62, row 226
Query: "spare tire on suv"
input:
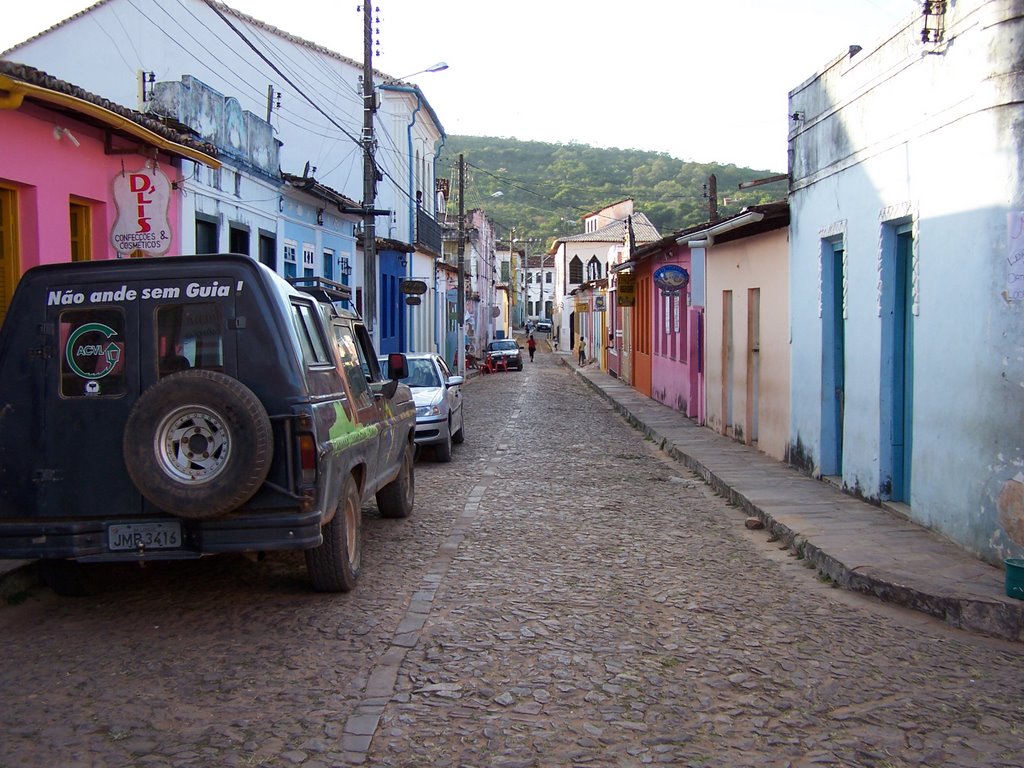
column 193, row 427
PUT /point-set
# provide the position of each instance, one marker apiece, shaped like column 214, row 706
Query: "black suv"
column 168, row 408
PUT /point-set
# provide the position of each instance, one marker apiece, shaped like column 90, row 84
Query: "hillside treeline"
column 542, row 190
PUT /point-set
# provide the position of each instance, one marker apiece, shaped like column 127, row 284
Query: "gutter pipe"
column 705, row 238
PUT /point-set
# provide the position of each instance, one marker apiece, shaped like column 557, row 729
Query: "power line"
column 274, row 67
column 384, row 171
column 508, row 182
column 287, row 62
column 226, row 70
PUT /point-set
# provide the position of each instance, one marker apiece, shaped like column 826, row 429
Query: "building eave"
column 14, row 91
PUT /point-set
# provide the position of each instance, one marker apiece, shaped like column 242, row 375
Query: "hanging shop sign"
column 671, row 278
column 626, row 290
column 582, row 306
column 413, row 287
column 600, row 303
column 495, row 311
column 412, row 300
column 142, row 198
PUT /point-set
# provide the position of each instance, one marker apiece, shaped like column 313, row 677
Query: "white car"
column 437, row 393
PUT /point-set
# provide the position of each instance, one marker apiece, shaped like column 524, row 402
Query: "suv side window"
column 367, row 358
column 314, row 350
column 348, row 352
column 189, row 336
column 92, row 345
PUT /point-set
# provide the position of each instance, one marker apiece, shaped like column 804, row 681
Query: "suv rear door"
column 88, row 386
column 107, row 354
column 391, row 444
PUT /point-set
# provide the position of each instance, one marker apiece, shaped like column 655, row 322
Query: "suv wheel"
column 396, row 498
column 198, row 444
column 334, row 565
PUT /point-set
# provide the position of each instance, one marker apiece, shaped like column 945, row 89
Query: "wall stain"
column 799, row 457
column 1010, row 505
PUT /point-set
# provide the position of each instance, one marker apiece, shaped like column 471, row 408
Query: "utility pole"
column 369, row 176
column 513, row 276
column 712, row 198
column 461, row 303
column 540, row 310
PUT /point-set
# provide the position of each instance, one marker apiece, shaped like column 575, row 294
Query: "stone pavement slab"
column 857, row 545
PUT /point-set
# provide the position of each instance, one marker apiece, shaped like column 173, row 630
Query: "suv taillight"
column 307, row 457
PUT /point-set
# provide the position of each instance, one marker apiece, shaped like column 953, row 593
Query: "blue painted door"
column 833, row 360
column 391, row 314
column 903, row 368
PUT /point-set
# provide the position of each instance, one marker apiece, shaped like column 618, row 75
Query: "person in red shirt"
column 531, row 345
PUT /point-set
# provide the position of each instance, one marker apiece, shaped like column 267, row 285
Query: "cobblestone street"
column 562, row 595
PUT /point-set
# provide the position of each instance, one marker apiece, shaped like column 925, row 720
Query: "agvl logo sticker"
column 90, row 351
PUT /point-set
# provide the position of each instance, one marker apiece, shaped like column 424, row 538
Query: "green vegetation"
column 543, row 190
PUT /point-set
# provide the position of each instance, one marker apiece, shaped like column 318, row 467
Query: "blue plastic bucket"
column 1015, row 577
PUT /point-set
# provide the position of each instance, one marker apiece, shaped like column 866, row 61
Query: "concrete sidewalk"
column 859, row 546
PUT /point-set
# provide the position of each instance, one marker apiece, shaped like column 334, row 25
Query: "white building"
column 589, row 256
column 539, row 291
column 312, row 96
column 907, row 267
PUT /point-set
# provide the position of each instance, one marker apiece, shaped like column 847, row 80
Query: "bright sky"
column 702, row 80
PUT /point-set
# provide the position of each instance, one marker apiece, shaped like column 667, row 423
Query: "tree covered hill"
column 542, row 190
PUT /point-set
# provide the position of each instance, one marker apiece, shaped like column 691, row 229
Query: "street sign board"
column 414, row 287
column 626, row 293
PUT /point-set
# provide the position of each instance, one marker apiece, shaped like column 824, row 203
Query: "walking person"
column 531, row 345
column 583, row 354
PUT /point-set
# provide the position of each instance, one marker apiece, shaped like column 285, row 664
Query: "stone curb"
column 1002, row 618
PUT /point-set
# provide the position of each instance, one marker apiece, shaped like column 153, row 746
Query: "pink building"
column 665, row 327
column 747, row 338
column 82, row 178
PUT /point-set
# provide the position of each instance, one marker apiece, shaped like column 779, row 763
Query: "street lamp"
column 439, row 67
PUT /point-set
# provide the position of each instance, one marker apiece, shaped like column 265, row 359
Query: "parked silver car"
column 437, row 393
